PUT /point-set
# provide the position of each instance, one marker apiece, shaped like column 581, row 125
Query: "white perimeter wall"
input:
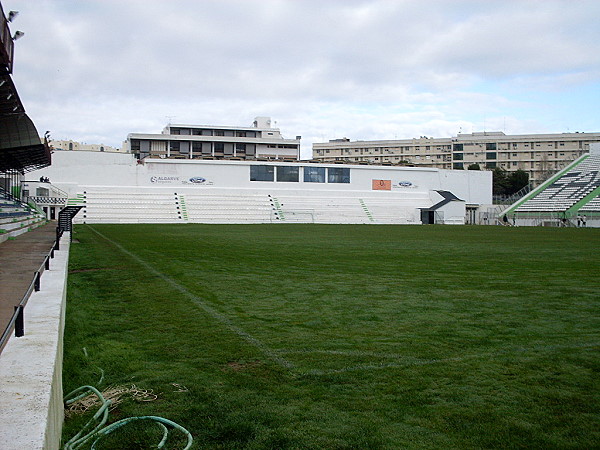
column 71, row 171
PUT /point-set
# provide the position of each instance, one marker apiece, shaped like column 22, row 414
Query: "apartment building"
column 540, row 155
column 215, row 142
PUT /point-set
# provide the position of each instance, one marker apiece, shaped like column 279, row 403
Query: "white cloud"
column 97, row 70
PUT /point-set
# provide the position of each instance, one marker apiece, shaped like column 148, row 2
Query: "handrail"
column 16, row 322
column 8, row 196
column 56, row 189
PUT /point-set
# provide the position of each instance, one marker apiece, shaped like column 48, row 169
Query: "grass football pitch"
column 341, row 336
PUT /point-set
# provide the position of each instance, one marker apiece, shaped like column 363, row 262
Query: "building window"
column 314, row 174
column 175, row 131
column 135, row 146
column 175, row 146
column 338, row 175
column 457, row 147
column 490, row 155
column 288, row 173
column 240, row 134
column 219, row 147
column 241, row 148
column 457, row 165
column 490, row 165
column 490, row 146
column 219, row 133
column 458, row 156
column 262, row 173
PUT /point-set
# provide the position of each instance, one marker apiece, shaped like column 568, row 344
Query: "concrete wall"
column 31, row 406
column 70, row 170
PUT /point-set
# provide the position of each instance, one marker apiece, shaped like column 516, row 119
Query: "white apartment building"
column 69, row 145
column 540, row 155
column 215, row 142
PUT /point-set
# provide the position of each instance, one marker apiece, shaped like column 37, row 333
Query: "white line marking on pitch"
column 411, row 361
column 208, row 309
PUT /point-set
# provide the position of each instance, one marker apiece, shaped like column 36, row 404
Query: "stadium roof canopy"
column 21, row 148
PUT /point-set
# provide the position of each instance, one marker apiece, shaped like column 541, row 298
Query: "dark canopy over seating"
column 21, row 148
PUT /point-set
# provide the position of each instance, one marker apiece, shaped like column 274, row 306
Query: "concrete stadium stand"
column 31, row 395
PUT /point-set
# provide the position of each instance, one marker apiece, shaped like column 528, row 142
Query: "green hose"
column 101, row 417
column 161, row 421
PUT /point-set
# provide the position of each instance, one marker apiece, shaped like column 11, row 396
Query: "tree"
column 504, row 183
column 473, row 167
column 517, row 181
column 499, row 181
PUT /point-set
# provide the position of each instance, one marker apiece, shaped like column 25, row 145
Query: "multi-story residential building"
column 69, row 145
column 540, row 155
column 215, row 142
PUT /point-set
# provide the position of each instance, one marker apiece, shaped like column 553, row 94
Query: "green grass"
column 342, row 336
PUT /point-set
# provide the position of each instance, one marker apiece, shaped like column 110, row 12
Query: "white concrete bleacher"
column 226, row 206
column 128, row 206
column 222, row 205
column 349, row 208
column 592, row 206
column 403, row 210
column 296, row 207
column 568, row 189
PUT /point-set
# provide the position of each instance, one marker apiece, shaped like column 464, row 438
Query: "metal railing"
column 510, row 199
column 5, row 195
column 17, row 322
column 42, row 200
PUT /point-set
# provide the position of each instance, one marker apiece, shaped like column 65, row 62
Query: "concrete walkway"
column 31, row 396
column 19, row 259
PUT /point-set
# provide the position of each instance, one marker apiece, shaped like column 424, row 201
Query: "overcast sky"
column 94, row 71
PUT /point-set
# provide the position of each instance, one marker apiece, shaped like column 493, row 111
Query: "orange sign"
column 382, row 185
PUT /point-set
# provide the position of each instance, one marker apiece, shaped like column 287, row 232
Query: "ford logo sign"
column 405, row 184
column 197, row 180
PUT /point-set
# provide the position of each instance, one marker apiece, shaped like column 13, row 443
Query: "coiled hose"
column 95, row 429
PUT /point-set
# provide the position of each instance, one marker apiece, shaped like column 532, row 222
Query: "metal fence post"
column 58, row 233
column 19, row 323
column 36, row 281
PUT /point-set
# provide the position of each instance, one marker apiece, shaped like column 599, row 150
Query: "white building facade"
column 540, row 155
column 70, row 145
column 179, row 141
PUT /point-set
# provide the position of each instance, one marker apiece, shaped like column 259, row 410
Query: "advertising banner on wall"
column 170, row 179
